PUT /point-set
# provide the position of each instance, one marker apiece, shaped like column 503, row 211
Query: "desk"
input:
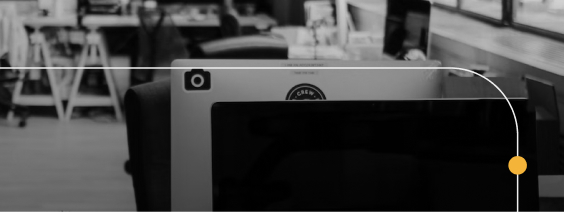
column 42, row 54
column 38, row 21
column 179, row 21
column 115, row 21
column 133, row 21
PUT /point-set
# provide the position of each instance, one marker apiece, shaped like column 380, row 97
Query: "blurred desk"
column 258, row 21
column 300, row 43
column 133, row 21
column 40, row 21
column 37, row 38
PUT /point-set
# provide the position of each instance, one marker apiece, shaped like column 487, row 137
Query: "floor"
column 50, row 165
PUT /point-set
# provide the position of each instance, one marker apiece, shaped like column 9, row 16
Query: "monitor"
column 407, row 27
column 275, row 138
column 412, row 155
column 397, row 28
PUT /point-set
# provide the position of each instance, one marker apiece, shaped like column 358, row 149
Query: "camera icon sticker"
column 197, row 80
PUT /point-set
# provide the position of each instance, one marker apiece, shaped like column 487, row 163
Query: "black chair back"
column 542, row 94
column 148, row 131
column 229, row 26
column 542, row 100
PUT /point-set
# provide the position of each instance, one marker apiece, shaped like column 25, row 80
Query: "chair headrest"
column 229, row 26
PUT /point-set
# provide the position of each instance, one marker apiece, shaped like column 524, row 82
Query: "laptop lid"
column 205, row 89
column 193, row 98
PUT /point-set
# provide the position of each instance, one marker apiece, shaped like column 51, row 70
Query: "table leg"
column 76, row 81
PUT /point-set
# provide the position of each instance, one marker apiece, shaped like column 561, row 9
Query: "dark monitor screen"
column 407, row 26
column 371, row 155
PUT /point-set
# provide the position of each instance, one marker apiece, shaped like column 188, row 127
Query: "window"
column 544, row 14
column 489, row 8
column 544, row 17
column 451, row 3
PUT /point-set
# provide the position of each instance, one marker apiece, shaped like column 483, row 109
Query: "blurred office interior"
column 70, row 152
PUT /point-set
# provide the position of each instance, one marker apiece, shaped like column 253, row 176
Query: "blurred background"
column 70, row 153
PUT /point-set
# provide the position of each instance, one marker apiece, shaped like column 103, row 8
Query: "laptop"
column 261, row 135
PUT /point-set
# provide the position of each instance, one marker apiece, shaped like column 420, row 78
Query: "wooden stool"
column 94, row 49
column 40, row 49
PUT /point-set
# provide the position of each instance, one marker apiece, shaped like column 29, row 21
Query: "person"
column 13, row 36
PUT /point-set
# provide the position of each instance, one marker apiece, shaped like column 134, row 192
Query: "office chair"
column 542, row 100
column 542, row 94
column 6, row 97
column 148, row 132
column 229, row 26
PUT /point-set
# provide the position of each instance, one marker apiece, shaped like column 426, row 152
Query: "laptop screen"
column 371, row 155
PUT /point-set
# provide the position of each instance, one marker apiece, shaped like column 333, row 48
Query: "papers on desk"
column 363, row 46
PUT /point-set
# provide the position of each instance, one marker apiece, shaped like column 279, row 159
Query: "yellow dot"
column 517, row 165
